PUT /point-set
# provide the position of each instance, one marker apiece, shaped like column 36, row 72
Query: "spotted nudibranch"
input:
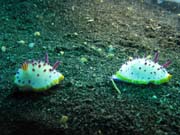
column 143, row 71
column 37, row 75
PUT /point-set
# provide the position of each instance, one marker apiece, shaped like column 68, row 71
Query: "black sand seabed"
column 91, row 38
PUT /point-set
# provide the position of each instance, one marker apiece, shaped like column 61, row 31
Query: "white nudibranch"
column 161, row 1
column 143, row 71
column 37, row 75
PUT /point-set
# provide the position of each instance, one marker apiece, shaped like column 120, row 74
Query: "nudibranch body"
column 143, row 71
column 37, row 75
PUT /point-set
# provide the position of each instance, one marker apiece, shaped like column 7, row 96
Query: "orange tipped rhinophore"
column 24, row 66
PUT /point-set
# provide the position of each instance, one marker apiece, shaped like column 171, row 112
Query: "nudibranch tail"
column 169, row 76
column 61, row 78
column 25, row 66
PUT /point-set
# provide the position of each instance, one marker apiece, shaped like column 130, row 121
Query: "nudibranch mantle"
column 143, row 71
column 37, row 75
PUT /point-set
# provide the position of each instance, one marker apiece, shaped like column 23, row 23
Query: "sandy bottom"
column 92, row 39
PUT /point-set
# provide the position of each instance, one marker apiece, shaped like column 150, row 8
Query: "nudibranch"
column 37, row 75
column 143, row 71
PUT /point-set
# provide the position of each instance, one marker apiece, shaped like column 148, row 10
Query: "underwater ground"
column 92, row 39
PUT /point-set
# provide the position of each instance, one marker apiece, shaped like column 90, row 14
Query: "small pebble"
column 90, row 20
column 130, row 58
column 37, row 34
column 64, row 119
column 149, row 57
column 62, row 52
column 21, row 42
column 31, row 45
column 110, row 55
column 99, row 49
column 73, row 8
column 3, row 49
column 154, row 97
column 85, row 43
column 83, row 60
column 110, row 49
column 75, row 33
column 44, row 47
